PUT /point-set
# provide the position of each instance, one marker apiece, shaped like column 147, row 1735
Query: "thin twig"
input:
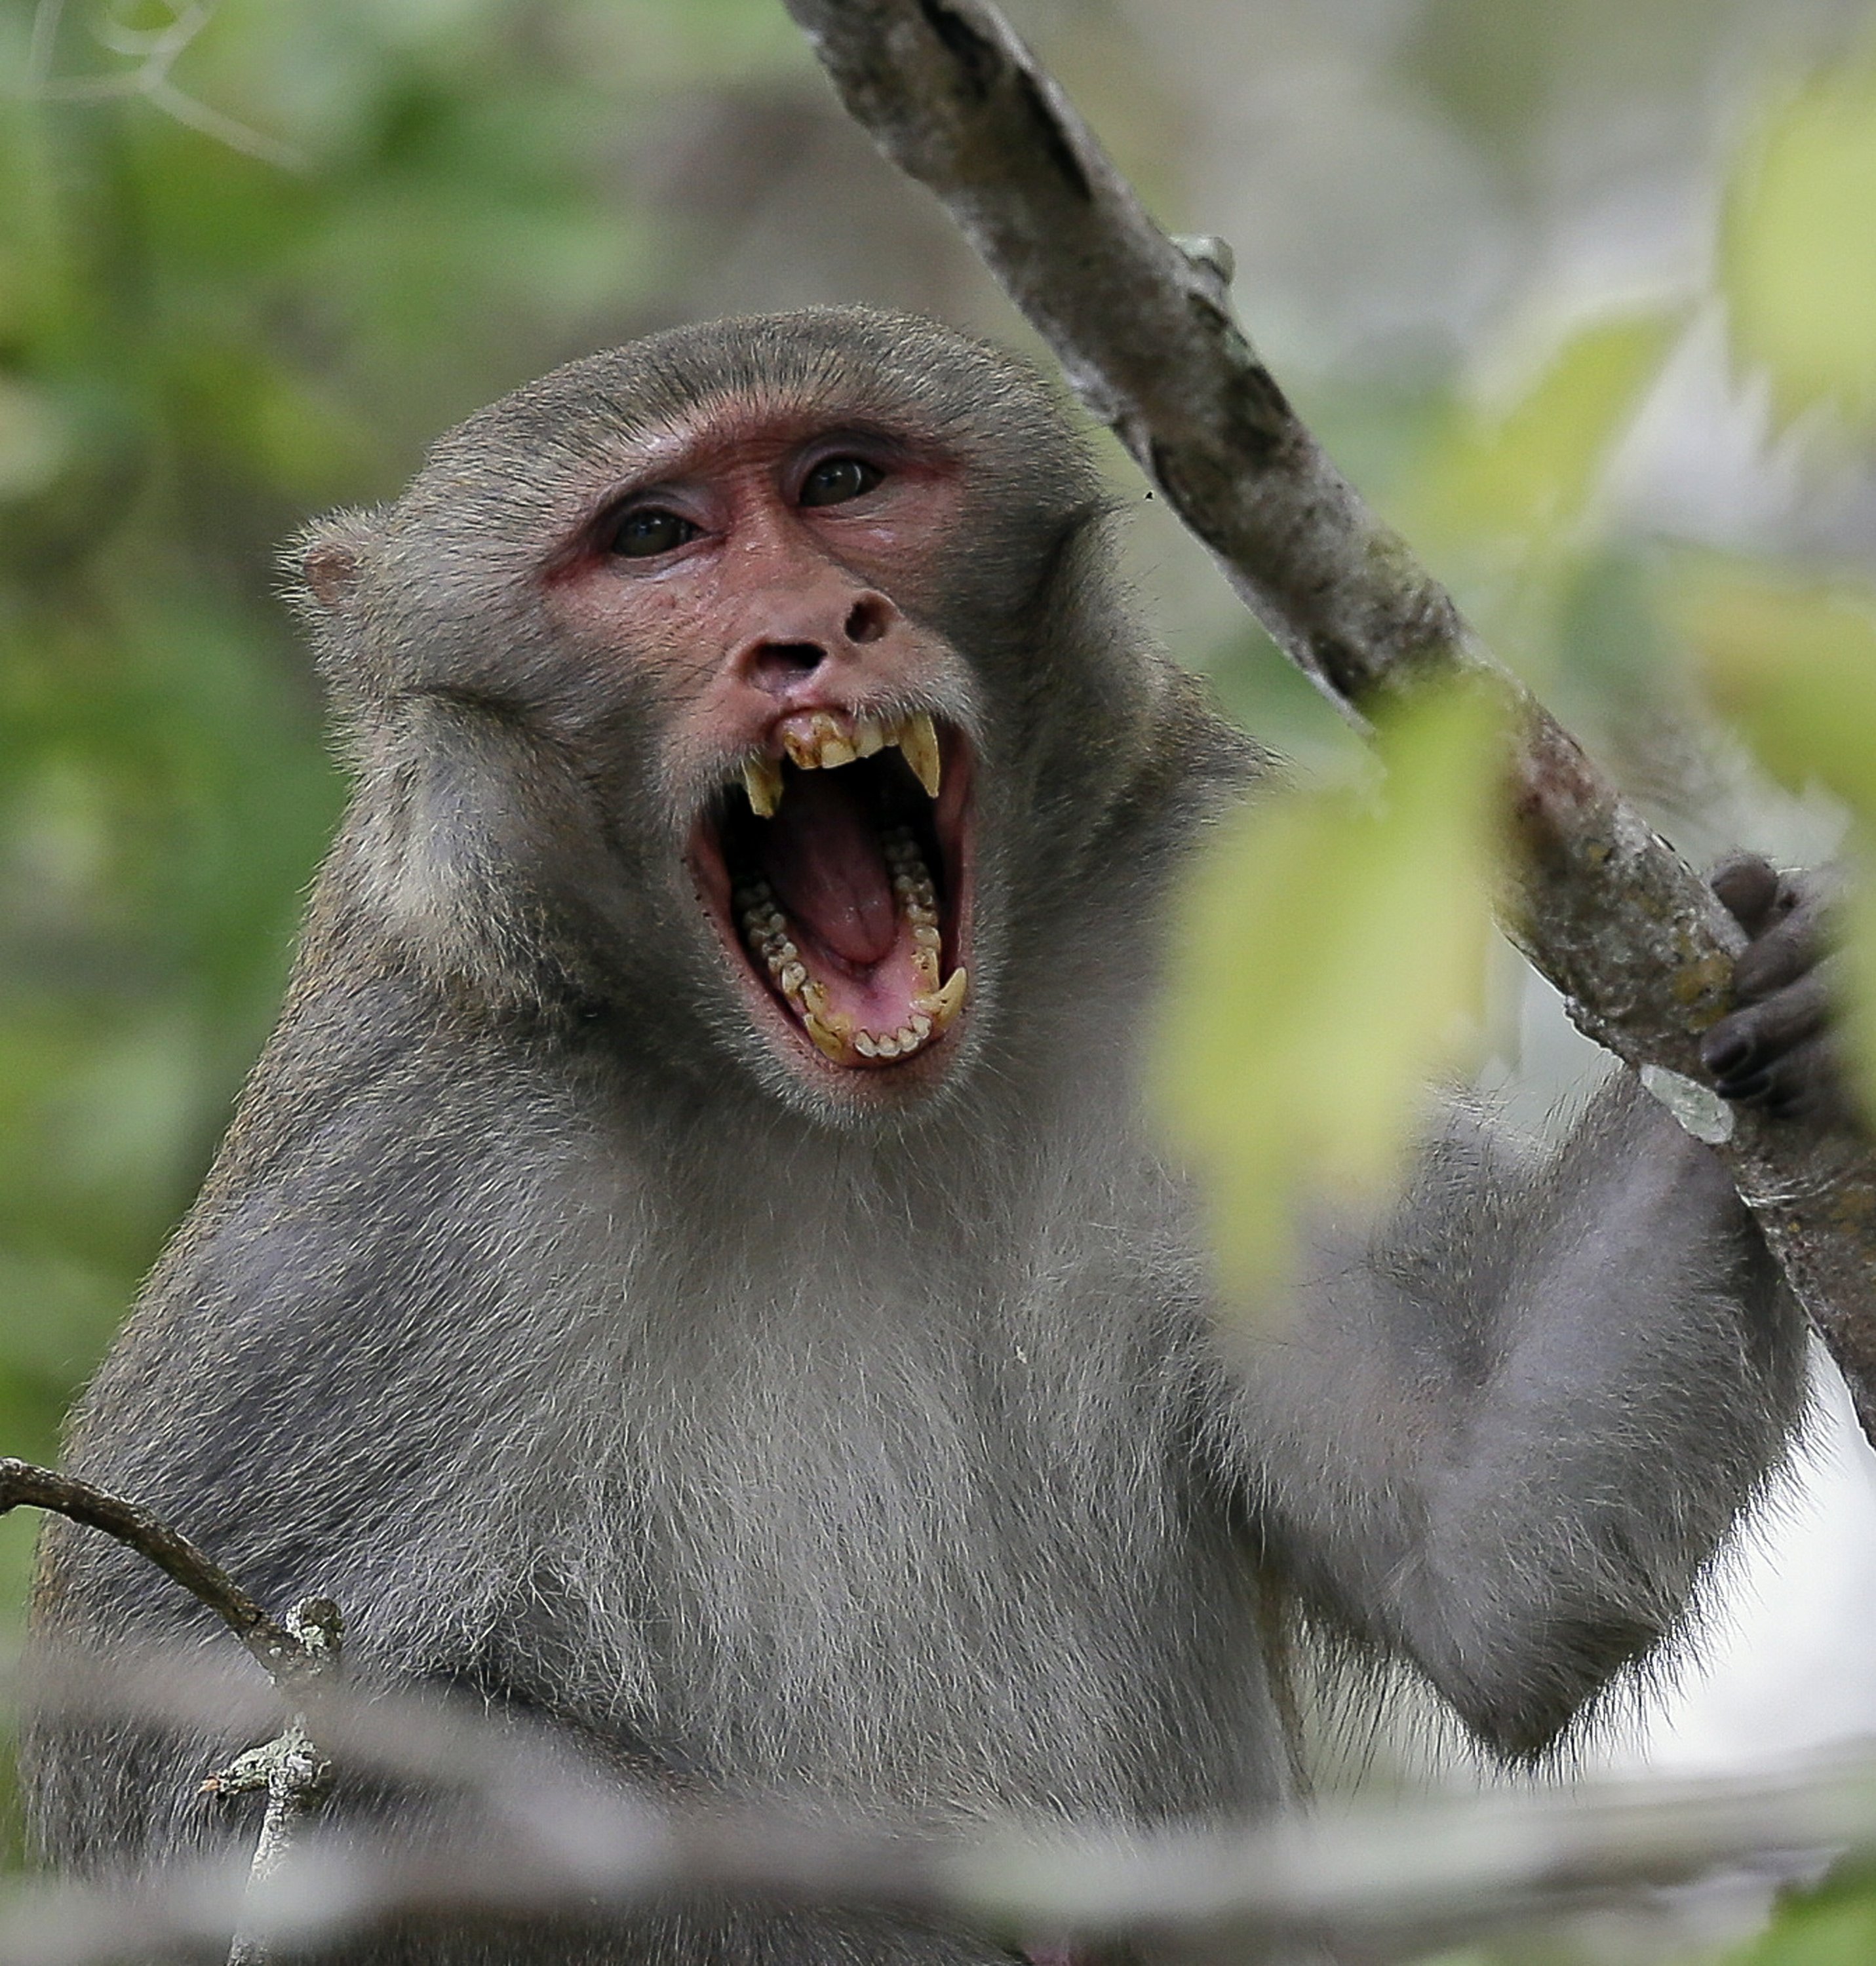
column 301, row 1655
column 1641, row 949
column 542, row 1837
column 155, row 52
column 274, row 1644
column 291, row 1770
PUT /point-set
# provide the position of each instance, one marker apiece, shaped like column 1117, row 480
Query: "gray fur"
column 893, row 1467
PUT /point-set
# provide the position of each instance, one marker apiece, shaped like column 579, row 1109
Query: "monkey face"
column 813, row 734
column 759, row 691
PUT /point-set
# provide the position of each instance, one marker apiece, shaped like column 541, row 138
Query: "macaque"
column 692, row 1265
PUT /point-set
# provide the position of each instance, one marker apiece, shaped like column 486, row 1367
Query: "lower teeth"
column 765, row 930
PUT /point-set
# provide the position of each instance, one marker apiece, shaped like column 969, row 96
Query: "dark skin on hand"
column 1778, row 1051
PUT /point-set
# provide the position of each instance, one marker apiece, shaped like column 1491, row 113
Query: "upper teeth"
column 822, row 741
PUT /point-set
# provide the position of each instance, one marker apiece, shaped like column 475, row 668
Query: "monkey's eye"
column 834, row 480
column 645, row 533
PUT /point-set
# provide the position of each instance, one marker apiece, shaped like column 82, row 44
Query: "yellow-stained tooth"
column 869, row 736
column 835, row 752
column 918, row 739
column 762, row 779
column 943, row 1006
column 831, row 1042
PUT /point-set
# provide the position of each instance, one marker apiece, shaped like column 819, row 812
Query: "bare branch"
column 300, row 1655
column 543, row 1833
column 154, row 53
column 275, row 1645
column 1640, row 948
column 290, row 1770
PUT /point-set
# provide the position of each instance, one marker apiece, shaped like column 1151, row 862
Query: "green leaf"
column 1797, row 267
column 1835, row 1927
column 1508, row 501
column 1330, row 956
column 1531, row 471
column 1793, row 664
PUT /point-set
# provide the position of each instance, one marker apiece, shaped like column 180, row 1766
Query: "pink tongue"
column 823, row 858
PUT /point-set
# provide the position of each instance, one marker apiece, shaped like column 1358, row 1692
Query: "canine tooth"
column 826, row 1038
column 762, row 779
column 943, row 1006
column 869, row 735
column 918, row 740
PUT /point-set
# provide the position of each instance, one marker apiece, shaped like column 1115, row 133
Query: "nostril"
column 781, row 663
column 869, row 619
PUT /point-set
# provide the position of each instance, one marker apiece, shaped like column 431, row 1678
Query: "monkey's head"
column 758, row 687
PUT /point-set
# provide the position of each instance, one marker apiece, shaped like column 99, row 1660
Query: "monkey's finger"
column 1759, row 1034
column 1748, row 886
column 1788, row 949
column 1807, row 1081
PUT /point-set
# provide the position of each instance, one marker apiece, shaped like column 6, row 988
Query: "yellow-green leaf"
column 1794, row 665
column 1798, row 262
column 1329, row 960
column 1531, row 471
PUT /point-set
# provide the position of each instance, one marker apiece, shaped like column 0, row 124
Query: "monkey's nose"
column 868, row 619
column 803, row 631
column 777, row 666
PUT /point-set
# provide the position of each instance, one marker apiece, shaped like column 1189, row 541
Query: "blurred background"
column 1581, row 292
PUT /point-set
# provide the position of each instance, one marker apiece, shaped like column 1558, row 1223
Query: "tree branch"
column 1637, row 944
column 548, row 1835
column 23, row 1485
column 300, row 1655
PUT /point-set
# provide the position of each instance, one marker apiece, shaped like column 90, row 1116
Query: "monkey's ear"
column 326, row 563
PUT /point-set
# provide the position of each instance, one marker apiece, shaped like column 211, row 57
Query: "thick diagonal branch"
column 1640, row 949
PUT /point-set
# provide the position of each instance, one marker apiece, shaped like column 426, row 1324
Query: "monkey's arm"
column 1503, row 1439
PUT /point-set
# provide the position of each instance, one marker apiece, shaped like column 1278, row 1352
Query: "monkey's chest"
column 873, row 1582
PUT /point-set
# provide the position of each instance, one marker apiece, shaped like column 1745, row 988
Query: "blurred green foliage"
column 1350, row 926
column 252, row 283
column 1793, row 663
column 1799, row 277
column 1833, row 1926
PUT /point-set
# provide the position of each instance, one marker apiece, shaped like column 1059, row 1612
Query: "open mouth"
column 839, row 876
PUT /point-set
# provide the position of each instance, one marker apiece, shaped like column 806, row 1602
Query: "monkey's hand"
column 1777, row 1051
